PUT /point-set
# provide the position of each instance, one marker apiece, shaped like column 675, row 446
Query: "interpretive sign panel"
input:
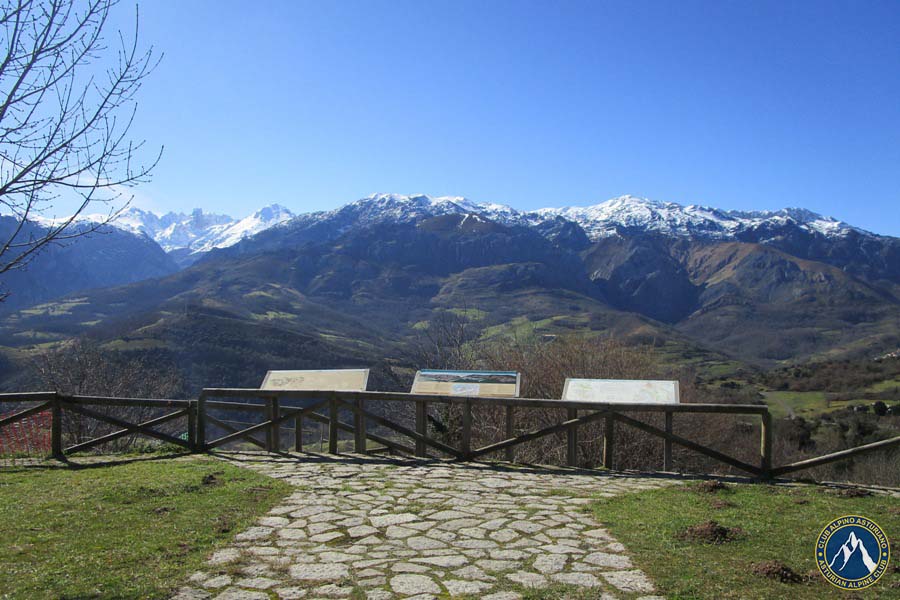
column 612, row 391
column 491, row 384
column 334, row 380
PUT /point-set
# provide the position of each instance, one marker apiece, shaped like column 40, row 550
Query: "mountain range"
column 187, row 236
column 354, row 285
column 198, row 232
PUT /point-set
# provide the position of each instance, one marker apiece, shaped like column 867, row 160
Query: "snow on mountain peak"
column 630, row 213
column 617, row 216
column 199, row 231
column 229, row 234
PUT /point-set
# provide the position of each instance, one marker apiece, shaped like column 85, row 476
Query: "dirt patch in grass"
column 710, row 532
column 710, row 487
column 719, row 504
column 223, row 524
column 777, row 570
column 852, row 493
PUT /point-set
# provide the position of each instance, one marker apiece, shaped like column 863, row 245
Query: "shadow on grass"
column 82, row 462
column 244, row 457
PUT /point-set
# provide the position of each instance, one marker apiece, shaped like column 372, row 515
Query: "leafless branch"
column 67, row 103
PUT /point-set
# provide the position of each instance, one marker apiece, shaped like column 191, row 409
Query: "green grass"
column 522, row 327
column 802, row 404
column 130, row 530
column 471, row 314
column 55, row 309
column 779, row 524
column 884, row 386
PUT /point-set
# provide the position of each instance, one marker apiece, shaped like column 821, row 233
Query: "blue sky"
column 747, row 105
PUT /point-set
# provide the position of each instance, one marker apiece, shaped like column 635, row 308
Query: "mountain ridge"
column 200, row 231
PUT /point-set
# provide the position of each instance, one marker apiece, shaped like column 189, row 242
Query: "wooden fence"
column 326, row 408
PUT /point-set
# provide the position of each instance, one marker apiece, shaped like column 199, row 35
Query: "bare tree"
column 83, row 367
column 445, row 342
column 67, row 103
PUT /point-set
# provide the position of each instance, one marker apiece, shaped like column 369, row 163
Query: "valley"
column 717, row 292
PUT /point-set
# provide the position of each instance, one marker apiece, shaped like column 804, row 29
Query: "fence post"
column 274, row 413
column 572, row 439
column 510, row 432
column 667, row 444
column 608, row 442
column 466, row 442
column 56, row 427
column 421, row 426
column 359, row 428
column 201, row 422
column 270, row 437
column 333, row 425
column 192, row 425
column 765, row 443
column 298, row 433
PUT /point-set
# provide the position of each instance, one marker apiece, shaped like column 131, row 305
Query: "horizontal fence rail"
column 327, row 407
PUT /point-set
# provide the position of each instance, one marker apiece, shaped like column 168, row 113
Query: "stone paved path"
column 372, row 528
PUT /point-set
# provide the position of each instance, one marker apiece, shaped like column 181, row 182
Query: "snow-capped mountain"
column 230, row 233
column 188, row 236
column 626, row 214
column 191, row 234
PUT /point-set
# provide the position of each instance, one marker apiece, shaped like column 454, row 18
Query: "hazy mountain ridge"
column 106, row 257
column 189, row 235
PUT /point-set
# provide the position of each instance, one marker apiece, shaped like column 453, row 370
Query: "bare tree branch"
column 65, row 119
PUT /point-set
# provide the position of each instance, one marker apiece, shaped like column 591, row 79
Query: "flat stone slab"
column 418, row 530
column 412, row 584
column 319, row 572
column 629, row 581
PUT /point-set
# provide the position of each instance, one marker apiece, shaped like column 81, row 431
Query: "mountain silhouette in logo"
column 853, row 547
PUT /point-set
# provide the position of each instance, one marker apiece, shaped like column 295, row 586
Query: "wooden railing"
column 57, row 403
column 271, row 403
column 210, row 411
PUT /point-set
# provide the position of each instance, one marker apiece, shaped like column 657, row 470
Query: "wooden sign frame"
column 278, row 380
column 465, row 383
column 635, row 386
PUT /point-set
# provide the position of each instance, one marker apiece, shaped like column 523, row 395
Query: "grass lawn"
column 778, row 523
column 130, row 530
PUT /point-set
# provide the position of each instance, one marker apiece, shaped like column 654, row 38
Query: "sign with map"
column 613, row 391
column 490, row 384
column 334, row 380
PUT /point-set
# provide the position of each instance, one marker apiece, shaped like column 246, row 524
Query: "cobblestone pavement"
column 376, row 529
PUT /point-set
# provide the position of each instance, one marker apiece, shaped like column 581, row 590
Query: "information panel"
column 489, row 384
column 334, row 380
column 613, row 391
